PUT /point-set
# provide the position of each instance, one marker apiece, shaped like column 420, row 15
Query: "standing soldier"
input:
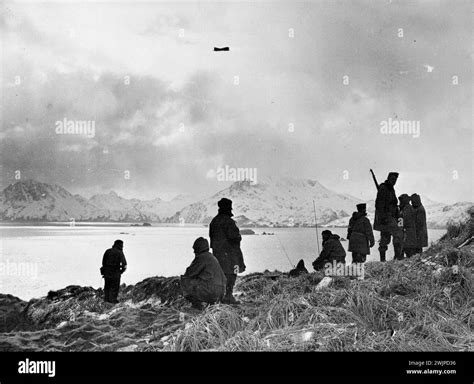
column 420, row 220
column 407, row 213
column 386, row 217
column 360, row 235
column 225, row 243
column 113, row 265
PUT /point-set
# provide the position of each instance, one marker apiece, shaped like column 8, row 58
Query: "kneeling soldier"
column 204, row 280
column 332, row 251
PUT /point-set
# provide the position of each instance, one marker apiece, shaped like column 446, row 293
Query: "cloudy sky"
column 302, row 92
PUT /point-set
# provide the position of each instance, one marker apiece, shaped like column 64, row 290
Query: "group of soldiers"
column 404, row 222
column 401, row 220
column 211, row 276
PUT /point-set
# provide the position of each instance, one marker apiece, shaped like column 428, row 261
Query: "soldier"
column 360, row 234
column 420, row 222
column 407, row 213
column 386, row 217
column 204, row 280
column 225, row 243
column 113, row 265
column 332, row 251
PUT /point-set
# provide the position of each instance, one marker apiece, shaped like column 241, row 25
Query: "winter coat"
column 225, row 243
column 408, row 215
column 204, row 279
column 420, row 220
column 386, row 208
column 332, row 250
column 207, row 269
column 113, row 262
column 360, row 234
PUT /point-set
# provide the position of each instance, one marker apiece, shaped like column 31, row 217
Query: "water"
column 37, row 258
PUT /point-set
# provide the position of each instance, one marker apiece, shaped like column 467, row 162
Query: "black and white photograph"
column 236, row 176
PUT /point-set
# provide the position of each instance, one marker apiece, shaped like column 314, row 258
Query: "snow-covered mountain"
column 139, row 210
column 272, row 202
column 121, row 209
column 437, row 214
column 32, row 200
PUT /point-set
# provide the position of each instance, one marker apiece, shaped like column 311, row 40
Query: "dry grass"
column 419, row 304
column 424, row 303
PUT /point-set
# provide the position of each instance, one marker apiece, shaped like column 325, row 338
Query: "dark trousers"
column 197, row 291
column 358, row 257
column 230, row 283
column 385, row 238
column 111, row 289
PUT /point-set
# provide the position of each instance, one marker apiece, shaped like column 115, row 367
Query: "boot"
column 382, row 254
column 229, row 297
column 398, row 252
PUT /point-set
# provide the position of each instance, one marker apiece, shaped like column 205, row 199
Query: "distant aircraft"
column 429, row 68
column 221, row 49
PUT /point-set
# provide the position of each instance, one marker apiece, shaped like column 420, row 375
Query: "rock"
column 324, row 283
column 165, row 288
column 11, row 313
column 302, row 337
column 128, row 348
column 247, row 231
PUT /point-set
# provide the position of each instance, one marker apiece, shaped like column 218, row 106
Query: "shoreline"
column 423, row 303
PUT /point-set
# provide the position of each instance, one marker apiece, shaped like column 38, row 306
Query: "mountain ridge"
column 272, row 202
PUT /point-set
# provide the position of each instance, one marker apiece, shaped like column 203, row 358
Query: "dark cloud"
column 168, row 131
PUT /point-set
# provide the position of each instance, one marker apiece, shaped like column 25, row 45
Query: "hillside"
column 121, row 209
column 419, row 304
column 34, row 201
column 271, row 202
column 438, row 215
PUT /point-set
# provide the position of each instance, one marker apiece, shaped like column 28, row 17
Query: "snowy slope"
column 272, row 202
column 32, row 200
column 139, row 210
column 121, row 209
column 437, row 214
